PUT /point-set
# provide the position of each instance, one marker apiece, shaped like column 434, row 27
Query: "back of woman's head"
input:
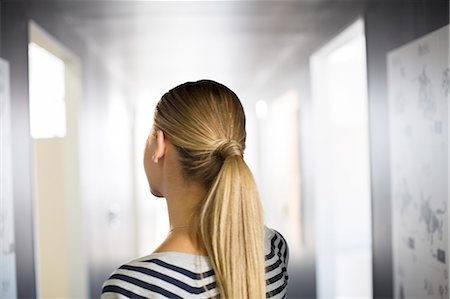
column 206, row 123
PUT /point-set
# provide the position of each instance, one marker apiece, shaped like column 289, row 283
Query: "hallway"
column 346, row 108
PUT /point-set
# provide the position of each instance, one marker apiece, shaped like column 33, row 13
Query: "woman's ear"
column 160, row 146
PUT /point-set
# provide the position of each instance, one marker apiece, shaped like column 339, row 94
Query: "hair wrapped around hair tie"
column 229, row 148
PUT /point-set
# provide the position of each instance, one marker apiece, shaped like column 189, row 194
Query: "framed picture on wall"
column 418, row 79
column 7, row 251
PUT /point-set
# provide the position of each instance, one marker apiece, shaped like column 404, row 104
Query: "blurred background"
column 347, row 124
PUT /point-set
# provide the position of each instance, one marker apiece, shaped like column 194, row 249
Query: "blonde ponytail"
column 206, row 122
column 231, row 226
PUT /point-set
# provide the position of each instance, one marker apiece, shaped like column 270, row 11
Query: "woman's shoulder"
column 160, row 275
column 277, row 256
column 276, row 245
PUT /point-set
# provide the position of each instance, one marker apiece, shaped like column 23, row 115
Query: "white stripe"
column 177, row 275
column 158, row 282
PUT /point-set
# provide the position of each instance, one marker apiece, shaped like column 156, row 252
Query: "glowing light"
column 261, row 109
column 47, row 94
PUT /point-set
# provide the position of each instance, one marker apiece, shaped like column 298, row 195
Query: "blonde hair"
column 206, row 122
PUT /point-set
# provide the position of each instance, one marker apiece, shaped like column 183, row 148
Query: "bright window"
column 47, row 93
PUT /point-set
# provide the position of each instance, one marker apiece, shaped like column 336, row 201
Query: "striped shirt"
column 182, row 275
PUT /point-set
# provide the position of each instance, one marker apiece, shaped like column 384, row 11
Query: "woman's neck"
column 182, row 203
column 180, row 241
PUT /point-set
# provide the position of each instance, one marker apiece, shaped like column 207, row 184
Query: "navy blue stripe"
column 145, row 285
column 272, row 247
column 171, row 280
column 276, row 291
column 183, row 271
column 119, row 290
column 285, row 252
column 273, row 266
column 280, row 244
column 277, row 277
column 280, row 251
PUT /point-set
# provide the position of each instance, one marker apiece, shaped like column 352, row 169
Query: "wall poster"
column 7, row 251
column 418, row 80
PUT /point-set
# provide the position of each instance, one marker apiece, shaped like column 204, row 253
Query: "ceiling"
column 246, row 44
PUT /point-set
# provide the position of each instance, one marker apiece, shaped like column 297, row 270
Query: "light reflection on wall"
column 261, row 109
column 280, row 168
column 342, row 171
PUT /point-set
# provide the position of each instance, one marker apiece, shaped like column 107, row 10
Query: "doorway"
column 342, row 181
column 54, row 86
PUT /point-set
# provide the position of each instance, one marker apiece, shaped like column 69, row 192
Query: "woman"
column 217, row 244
